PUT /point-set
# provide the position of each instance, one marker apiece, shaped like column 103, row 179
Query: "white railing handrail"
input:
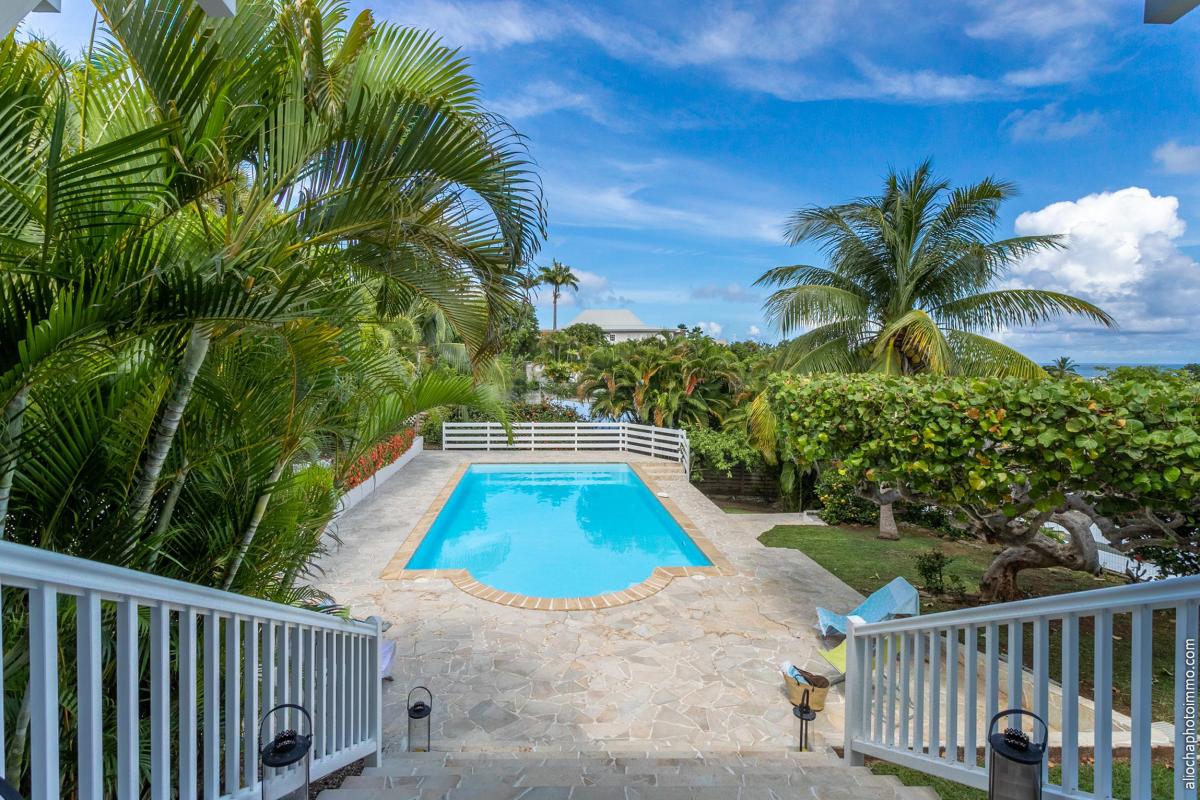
column 921, row 690
column 32, row 567
column 1157, row 594
column 216, row 661
column 667, row 443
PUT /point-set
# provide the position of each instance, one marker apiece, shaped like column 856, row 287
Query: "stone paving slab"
column 693, row 667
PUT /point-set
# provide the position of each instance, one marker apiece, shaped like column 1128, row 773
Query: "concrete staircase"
column 744, row 775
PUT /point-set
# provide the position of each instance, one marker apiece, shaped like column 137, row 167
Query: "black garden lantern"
column 420, row 709
column 805, row 714
column 8, row 791
column 1015, row 768
column 287, row 749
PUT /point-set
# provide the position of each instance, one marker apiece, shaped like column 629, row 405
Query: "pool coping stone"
column 659, row 579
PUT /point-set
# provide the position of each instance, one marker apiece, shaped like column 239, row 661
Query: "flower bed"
column 379, row 457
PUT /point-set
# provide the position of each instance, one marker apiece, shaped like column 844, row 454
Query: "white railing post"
column 856, row 677
column 43, row 688
column 376, row 694
column 164, row 680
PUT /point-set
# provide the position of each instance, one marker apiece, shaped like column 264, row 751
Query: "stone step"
column 505, row 792
column 760, row 774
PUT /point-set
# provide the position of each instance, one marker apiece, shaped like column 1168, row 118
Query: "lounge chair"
column 836, row 656
column 898, row 599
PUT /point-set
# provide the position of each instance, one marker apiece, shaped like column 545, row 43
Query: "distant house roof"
column 613, row 320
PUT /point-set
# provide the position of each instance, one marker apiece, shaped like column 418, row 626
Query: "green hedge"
column 1005, row 445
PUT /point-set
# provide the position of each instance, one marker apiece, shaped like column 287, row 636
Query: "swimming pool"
column 555, row 530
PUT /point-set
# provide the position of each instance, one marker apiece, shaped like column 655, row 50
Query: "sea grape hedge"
column 1009, row 452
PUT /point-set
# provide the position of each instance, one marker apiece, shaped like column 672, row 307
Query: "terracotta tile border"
column 659, row 579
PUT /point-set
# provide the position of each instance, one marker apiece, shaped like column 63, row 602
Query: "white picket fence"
column 920, row 691
column 227, row 658
column 668, row 443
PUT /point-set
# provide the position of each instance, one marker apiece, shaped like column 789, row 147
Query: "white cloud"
column 711, row 328
column 1005, row 19
column 1178, row 159
column 754, row 331
column 489, row 25
column 1123, row 254
column 576, row 200
column 1050, row 123
column 729, row 293
column 1113, row 238
column 546, row 96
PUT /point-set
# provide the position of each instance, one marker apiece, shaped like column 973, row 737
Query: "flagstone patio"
column 691, row 667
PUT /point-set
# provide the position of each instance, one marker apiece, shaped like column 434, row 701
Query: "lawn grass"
column 731, row 506
column 1162, row 781
column 865, row 562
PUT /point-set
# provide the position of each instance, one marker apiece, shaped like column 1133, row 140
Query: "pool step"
column 660, row 470
column 730, row 775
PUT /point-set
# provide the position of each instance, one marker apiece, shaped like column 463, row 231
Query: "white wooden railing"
column 920, row 691
column 127, row 641
column 668, row 443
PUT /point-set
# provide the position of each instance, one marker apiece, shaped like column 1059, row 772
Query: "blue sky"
column 675, row 137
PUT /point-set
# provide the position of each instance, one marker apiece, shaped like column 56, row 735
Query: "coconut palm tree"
column 910, row 283
column 558, row 276
column 1063, row 367
column 910, row 288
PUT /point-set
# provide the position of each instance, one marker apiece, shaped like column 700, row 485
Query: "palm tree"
column 1063, row 367
column 247, row 184
column 528, row 281
column 909, row 286
column 558, row 276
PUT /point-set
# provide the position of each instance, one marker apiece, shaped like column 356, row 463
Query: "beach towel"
column 898, row 599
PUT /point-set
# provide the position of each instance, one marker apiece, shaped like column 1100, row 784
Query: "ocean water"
column 555, row 530
column 1096, row 370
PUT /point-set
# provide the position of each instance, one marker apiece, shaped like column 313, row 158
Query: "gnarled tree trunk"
column 1033, row 549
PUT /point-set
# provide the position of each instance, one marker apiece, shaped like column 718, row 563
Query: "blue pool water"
column 555, row 530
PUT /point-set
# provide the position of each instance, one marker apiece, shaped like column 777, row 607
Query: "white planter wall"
column 367, row 488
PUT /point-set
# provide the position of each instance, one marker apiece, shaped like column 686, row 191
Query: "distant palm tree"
column 1063, row 367
column 558, row 276
column 909, row 286
column 527, row 282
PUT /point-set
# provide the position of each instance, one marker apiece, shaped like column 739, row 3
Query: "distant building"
column 618, row 324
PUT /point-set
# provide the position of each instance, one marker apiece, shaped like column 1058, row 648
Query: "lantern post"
column 420, row 709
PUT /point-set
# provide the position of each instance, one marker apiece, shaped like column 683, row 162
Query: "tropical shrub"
column 722, row 451
column 840, row 504
column 379, row 457
column 931, row 567
column 688, row 380
column 431, row 427
column 1010, row 455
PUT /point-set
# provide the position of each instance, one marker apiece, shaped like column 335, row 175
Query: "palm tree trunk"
column 164, row 434
column 164, row 518
column 14, row 413
column 260, row 508
column 20, row 733
column 555, row 304
column 887, row 523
